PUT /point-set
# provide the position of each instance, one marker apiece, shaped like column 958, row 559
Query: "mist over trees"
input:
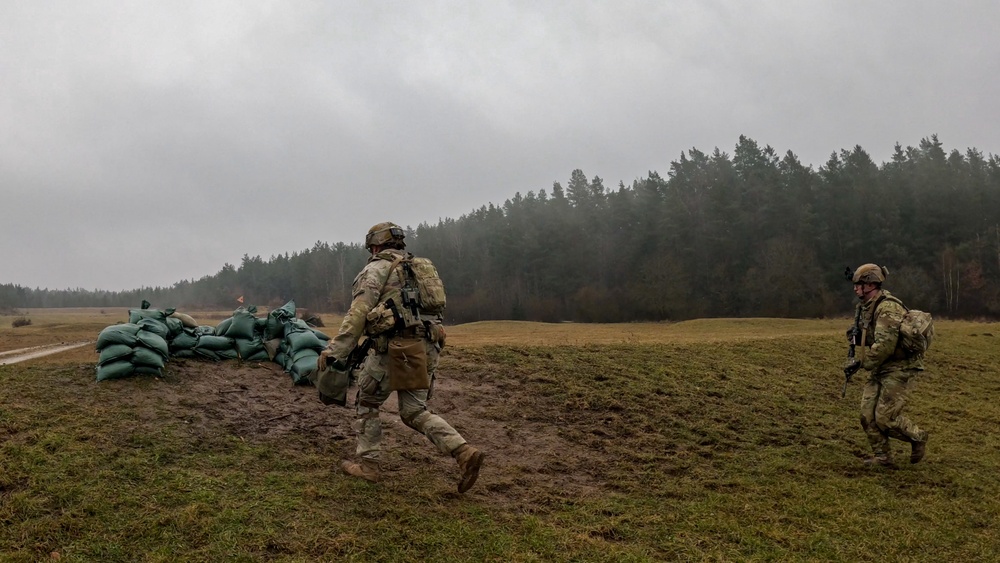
column 749, row 234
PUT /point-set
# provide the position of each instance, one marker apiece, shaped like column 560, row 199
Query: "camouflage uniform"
column 374, row 286
column 891, row 379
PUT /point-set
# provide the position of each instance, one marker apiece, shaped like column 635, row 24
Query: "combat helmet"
column 383, row 233
column 870, row 273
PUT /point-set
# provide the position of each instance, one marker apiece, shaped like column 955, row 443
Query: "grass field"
column 709, row 440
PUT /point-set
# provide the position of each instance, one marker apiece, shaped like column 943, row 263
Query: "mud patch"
column 530, row 463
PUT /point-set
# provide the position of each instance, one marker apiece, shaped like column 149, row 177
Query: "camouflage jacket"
column 373, row 285
column 883, row 354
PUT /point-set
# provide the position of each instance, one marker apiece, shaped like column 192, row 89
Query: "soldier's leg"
column 877, row 438
column 896, row 389
column 413, row 411
column 373, row 390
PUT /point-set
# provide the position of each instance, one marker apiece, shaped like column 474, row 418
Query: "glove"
column 322, row 359
column 327, row 359
column 851, row 366
column 853, row 336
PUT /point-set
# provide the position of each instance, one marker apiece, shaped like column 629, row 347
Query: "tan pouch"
column 437, row 334
column 408, row 364
column 380, row 319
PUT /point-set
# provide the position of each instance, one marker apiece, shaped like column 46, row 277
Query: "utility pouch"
column 408, row 364
column 437, row 334
column 380, row 319
column 332, row 385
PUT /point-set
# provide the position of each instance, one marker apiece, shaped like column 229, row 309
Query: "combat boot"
column 469, row 461
column 367, row 469
column 918, row 449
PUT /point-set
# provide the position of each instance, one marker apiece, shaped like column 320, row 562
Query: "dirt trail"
column 22, row 354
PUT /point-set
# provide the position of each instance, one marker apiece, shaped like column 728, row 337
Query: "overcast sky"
column 144, row 143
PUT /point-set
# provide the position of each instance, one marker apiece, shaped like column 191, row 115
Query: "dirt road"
column 22, row 354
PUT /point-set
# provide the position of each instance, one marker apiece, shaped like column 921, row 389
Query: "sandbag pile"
column 138, row 346
column 299, row 349
column 152, row 336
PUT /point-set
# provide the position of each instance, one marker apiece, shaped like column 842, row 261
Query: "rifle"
column 358, row 354
column 855, row 336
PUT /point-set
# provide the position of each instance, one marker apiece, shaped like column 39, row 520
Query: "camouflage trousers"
column 882, row 402
column 373, row 390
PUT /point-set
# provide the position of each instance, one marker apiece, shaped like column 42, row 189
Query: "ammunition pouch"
column 380, row 319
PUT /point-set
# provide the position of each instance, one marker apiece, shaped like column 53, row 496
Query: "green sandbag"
column 153, row 342
column 298, row 338
column 249, row 348
column 117, row 334
column 296, row 356
column 259, row 356
column 215, row 343
column 302, row 368
column 229, row 354
column 147, row 370
column 136, row 315
column 158, row 328
column 222, row 327
column 186, row 340
column 115, row 370
column 114, row 352
column 174, row 327
column 274, row 326
column 147, row 358
column 205, row 353
column 241, row 325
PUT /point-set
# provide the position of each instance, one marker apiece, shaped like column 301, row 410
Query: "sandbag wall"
column 152, row 337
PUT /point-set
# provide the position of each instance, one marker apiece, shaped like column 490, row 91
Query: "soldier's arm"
column 367, row 288
column 886, row 335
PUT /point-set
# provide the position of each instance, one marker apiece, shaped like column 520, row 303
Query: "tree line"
column 741, row 235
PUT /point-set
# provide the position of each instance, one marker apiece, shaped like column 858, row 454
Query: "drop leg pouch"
column 408, row 364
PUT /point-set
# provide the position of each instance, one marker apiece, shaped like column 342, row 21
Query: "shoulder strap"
column 894, row 299
column 395, row 264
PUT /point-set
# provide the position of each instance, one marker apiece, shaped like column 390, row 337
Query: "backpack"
column 429, row 284
column 916, row 332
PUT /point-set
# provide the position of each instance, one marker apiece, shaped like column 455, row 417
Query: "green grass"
column 736, row 450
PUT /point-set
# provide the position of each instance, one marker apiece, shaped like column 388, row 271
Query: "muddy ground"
column 529, row 463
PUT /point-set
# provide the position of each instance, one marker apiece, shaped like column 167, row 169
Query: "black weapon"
column 359, row 353
column 854, row 335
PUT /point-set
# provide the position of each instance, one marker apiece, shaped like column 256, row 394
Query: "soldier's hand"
column 323, row 359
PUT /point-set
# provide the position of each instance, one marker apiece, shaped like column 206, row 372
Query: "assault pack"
column 430, row 289
column 916, row 332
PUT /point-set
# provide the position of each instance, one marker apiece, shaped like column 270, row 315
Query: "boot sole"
column 471, row 472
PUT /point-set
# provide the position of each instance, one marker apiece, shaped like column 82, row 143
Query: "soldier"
column 891, row 369
column 376, row 311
